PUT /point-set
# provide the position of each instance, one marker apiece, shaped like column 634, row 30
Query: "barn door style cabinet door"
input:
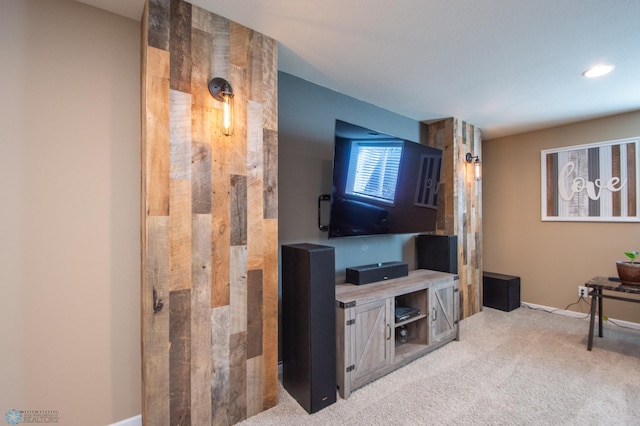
column 372, row 340
column 443, row 307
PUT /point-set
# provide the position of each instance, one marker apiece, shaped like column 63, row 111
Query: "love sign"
column 592, row 182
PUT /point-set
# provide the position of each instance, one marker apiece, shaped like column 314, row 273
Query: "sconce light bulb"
column 222, row 91
column 227, row 119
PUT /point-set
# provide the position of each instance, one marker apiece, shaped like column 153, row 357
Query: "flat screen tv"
column 382, row 184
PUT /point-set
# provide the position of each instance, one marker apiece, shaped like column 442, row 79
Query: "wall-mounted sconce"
column 221, row 90
column 475, row 160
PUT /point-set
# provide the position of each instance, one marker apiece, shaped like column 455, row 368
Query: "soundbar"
column 366, row 274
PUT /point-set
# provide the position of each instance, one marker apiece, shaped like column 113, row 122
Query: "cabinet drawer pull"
column 389, row 329
column 435, row 314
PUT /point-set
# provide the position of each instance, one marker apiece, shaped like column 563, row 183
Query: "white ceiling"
column 506, row 66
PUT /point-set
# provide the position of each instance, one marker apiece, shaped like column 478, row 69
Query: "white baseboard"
column 132, row 421
column 582, row 315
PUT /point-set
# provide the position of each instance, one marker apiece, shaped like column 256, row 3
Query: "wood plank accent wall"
column 460, row 209
column 209, row 220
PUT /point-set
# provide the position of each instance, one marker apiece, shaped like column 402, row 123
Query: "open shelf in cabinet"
column 418, row 300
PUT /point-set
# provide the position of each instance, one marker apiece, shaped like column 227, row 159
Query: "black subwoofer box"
column 500, row 291
column 366, row 274
column 308, row 323
column 437, row 252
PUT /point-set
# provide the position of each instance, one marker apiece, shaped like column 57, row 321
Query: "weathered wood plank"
column 180, row 135
column 201, row 356
column 201, row 178
column 180, row 357
column 238, row 378
column 180, row 45
column 158, row 21
column 155, row 323
column 239, row 43
column 270, row 174
column 221, row 46
column 238, row 210
column 256, row 62
column 201, row 19
column 220, row 222
column 254, row 386
column 156, row 145
column 201, row 59
column 180, row 234
column 238, row 142
column 254, row 312
column 616, row 196
column 270, row 83
column 255, row 186
column 270, row 316
column 238, row 289
column 220, row 366
column 631, row 179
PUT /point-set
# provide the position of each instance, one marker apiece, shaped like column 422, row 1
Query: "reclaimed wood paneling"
column 180, row 135
column 157, row 133
column 254, row 313
column 180, row 357
column 238, row 290
column 179, row 44
column 460, row 208
column 201, row 179
column 157, row 15
column 256, row 60
column 631, row 180
column 270, row 316
column 180, row 234
column 221, row 219
column 270, row 178
column 238, row 151
column 220, row 365
column 155, row 321
column 201, row 321
column 240, row 40
column 237, row 378
column 254, row 386
column 238, row 210
column 255, row 185
column 270, row 83
column 221, row 47
column 209, row 220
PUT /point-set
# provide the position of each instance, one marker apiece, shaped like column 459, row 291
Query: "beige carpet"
column 523, row 367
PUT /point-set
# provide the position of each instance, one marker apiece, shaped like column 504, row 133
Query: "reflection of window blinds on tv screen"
column 373, row 170
column 382, row 184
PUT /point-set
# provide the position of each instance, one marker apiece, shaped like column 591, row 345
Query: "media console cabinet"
column 369, row 341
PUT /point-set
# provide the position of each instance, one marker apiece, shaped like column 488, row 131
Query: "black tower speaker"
column 309, row 324
column 437, row 252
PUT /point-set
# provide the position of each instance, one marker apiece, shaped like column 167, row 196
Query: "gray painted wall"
column 306, row 121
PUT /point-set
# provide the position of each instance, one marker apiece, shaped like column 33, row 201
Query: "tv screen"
column 382, row 184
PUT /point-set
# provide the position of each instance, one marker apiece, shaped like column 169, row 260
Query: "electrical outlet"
column 583, row 291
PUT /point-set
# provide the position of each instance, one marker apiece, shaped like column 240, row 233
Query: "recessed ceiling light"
column 598, row 70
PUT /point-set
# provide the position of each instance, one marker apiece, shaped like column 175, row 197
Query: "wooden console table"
column 371, row 342
column 599, row 285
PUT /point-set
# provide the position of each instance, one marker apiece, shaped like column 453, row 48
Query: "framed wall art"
column 596, row 182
